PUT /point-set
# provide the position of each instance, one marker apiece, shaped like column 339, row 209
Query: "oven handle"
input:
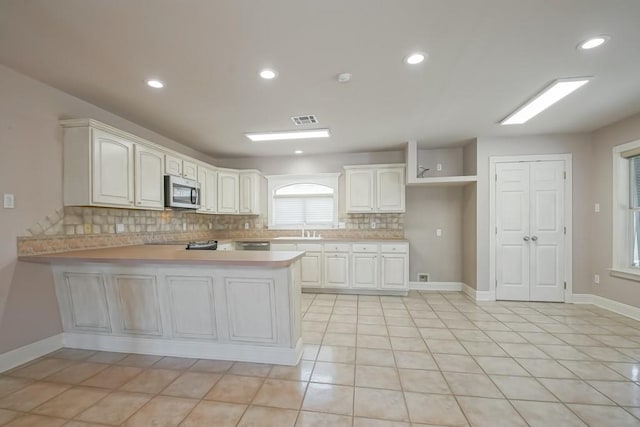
column 194, row 196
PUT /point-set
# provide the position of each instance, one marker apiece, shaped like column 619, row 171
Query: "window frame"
column 274, row 182
column 622, row 214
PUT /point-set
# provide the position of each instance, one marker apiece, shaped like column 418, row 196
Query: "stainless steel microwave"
column 181, row 193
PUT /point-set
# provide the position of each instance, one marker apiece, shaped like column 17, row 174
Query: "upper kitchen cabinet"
column 375, row 188
column 228, row 192
column 252, row 192
column 98, row 165
column 148, row 172
column 177, row 166
column 208, row 179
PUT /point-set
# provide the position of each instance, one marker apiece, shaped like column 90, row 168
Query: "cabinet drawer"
column 394, row 248
column 360, row 247
column 315, row 247
column 336, row 247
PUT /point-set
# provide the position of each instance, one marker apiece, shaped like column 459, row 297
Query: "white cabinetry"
column 149, row 165
column 353, row 266
column 177, row 166
column 336, row 265
column 251, row 188
column 208, row 180
column 228, row 192
column 395, row 266
column 311, row 265
column 360, row 190
column 98, row 167
column 375, row 188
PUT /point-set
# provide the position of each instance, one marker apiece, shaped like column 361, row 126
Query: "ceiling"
column 485, row 59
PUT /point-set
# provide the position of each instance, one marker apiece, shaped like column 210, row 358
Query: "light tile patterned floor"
column 426, row 360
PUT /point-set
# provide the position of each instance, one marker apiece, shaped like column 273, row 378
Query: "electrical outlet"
column 184, row 226
column 246, row 225
column 88, row 229
column 119, row 228
column 438, row 232
column 596, row 279
column 423, row 277
column 9, row 201
column 373, row 225
column 439, row 167
column 210, row 226
column 596, row 207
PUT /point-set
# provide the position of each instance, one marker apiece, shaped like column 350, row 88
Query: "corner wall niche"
column 422, row 166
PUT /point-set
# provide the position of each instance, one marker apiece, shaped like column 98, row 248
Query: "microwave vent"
column 308, row 119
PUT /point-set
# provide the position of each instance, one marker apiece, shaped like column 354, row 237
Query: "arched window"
column 298, row 201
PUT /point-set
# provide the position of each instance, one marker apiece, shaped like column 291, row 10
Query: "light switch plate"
column 9, row 201
column 596, row 207
column 596, row 279
column 119, row 228
column 438, row 232
column 439, row 166
column 373, row 225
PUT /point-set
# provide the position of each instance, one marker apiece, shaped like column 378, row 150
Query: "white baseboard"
column 478, row 295
column 193, row 349
column 25, row 354
column 608, row 304
column 436, row 286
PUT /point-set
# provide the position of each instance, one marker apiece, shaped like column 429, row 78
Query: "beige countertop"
column 332, row 239
column 170, row 254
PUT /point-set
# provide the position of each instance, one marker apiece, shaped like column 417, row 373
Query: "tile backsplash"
column 91, row 227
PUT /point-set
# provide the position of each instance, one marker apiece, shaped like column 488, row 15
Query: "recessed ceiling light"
column 286, row 135
column 593, row 42
column 156, row 84
column 549, row 96
column 299, row 151
column 415, row 58
column 268, row 74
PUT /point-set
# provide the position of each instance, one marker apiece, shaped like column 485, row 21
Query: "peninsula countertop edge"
column 169, row 254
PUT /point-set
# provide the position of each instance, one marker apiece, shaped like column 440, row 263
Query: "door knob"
column 525, row 238
column 534, row 238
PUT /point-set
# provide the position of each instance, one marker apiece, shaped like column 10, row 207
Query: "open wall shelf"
column 414, row 180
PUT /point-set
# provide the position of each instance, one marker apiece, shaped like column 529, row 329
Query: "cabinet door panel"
column 212, row 191
column 391, row 190
column 112, row 169
column 191, row 301
column 394, row 271
column 172, row 165
column 88, row 300
column 365, row 271
column 310, row 269
column 360, row 190
column 336, row 267
column 251, row 309
column 138, row 303
column 247, row 189
column 189, row 170
column 148, row 177
column 227, row 192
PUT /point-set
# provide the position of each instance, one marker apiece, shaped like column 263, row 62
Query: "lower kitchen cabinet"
column 394, row 271
column 365, row 270
column 336, row 267
column 381, row 267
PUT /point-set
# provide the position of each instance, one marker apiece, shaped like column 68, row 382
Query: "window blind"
column 634, row 182
column 303, row 210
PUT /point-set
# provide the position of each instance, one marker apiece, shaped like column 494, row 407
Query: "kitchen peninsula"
column 165, row 300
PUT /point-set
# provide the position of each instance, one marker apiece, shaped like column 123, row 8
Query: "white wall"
column 579, row 145
column 31, row 169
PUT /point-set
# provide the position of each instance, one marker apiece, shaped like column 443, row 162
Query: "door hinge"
column 565, row 175
column 565, row 230
column 496, row 177
column 496, row 230
column 565, row 286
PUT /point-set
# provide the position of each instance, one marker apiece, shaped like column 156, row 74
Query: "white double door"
column 530, row 231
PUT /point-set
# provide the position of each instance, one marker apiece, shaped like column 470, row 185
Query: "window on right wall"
column 626, row 211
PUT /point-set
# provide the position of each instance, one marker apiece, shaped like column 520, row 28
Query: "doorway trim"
column 568, row 216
